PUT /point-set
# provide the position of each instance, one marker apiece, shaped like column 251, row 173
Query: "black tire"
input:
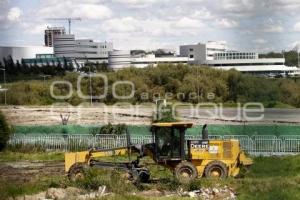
column 140, row 175
column 77, row 171
column 216, row 169
column 185, row 172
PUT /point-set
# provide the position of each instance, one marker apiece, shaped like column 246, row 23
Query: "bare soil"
column 133, row 115
column 25, row 171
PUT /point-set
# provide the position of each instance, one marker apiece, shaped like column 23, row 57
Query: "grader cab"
column 188, row 159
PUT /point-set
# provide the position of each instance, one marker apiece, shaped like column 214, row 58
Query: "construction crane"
column 69, row 19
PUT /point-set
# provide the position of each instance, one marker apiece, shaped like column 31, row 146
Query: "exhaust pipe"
column 204, row 132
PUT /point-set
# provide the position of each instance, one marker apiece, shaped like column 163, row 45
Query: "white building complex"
column 50, row 32
column 19, row 53
column 120, row 59
column 215, row 54
column 64, row 46
column 82, row 50
column 202, row 52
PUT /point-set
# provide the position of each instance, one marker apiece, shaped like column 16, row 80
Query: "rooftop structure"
column 50, row 32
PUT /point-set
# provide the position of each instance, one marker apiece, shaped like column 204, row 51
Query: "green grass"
column 215, row 129
column 10, row 189
column 269, row 178
column 9, row 156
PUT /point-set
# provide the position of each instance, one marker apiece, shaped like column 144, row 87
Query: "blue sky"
column 255, row 25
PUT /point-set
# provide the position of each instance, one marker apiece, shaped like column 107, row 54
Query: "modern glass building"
column 46, row 59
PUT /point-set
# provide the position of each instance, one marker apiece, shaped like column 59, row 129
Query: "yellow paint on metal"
column 216, row 152
column 86, row 156
column 77, row 157
column 173, row 124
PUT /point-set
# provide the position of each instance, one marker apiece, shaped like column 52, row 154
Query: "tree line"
column 184, row 83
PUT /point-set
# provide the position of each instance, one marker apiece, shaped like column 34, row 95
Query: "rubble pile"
column 224, row 193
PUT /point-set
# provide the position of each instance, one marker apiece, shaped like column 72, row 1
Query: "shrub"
column 114, row 180
column 118, row 129
column 4, row 132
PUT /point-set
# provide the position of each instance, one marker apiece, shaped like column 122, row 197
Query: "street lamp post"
column 91, row 91
column 44, row 77
column 157, row 106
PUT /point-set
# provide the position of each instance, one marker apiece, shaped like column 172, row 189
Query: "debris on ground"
column 224, row 193
column 68, row 193
column 215, row 193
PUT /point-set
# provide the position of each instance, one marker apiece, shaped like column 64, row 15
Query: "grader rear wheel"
column 77, row 172
column 216, row 169
column 185, row 172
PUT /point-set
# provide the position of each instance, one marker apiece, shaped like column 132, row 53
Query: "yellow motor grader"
column 188, row 159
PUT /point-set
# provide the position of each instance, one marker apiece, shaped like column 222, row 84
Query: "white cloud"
column 186, row 22
column 272, row 26
column 91, row 11
column 259, row 41
column 34, row 29
column 125, row 24
column 14, row 14
column 138, row 3
column 226, row 23
column 71, row 9
column 202, row 13
column 297, row 27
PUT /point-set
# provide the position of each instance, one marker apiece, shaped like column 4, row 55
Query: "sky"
column 246, row 25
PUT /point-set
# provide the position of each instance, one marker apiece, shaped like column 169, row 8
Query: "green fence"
column 249, row 130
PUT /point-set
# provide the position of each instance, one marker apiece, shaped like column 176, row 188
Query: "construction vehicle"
column 188, row 159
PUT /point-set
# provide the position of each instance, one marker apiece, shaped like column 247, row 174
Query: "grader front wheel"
column 185, row 172
column 216, row 169
column 77, row 172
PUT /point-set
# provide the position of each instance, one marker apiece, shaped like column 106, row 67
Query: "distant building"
column 93, row 51
column 46, row 59
column 215, row 54
column 202, row 52
column 123, row 59
column 64, row 46
column 19, row 53
column 119, row 59
column 50, row 32
column 82, row 50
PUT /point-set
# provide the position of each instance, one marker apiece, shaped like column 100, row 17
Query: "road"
column 141, row 115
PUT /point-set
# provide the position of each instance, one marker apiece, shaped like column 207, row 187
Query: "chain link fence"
column 254, row 145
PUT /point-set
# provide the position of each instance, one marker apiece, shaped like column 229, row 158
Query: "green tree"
column 5, row 132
